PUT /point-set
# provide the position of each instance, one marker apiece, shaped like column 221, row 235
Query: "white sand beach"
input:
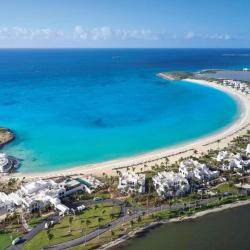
column 239, row 127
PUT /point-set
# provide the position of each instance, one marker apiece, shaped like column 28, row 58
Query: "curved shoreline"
column 153, row 225
column 225, row 135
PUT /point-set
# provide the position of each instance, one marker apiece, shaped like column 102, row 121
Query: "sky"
column 124, row 23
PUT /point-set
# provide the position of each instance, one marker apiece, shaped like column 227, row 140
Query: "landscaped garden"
column 74, row 226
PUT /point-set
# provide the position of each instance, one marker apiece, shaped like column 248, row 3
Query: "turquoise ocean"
column 77, row 106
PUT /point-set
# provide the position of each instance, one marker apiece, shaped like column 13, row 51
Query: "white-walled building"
column 39, row 194
column 91, row 183
column 169, row 184
column 6, row 204
column 239, row 163
column 248, row 149
column 191, row 169
column 37, row 186
column 239, row 86
column 131, row 182
column 223, row 155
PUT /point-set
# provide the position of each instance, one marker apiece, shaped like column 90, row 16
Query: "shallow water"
column 71, row 107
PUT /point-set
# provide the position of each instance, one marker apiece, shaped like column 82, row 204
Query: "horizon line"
column 9, row 48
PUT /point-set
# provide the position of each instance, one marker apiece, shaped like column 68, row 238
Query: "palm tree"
column 218, row 141
column 112, row 234
column 132, row 224
column 99, row 221
column 87, row 222
column 50, row 235
column 82, row 222
column 139, row 219
column 70, row 223
column 111, row 216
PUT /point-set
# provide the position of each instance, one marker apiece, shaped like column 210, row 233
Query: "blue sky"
column 127, row 23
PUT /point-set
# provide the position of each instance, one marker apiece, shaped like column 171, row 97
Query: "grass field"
column 5, row 239
column 65, row 230
column 226, row 187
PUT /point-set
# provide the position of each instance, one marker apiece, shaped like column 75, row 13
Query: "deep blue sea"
column 77, row 106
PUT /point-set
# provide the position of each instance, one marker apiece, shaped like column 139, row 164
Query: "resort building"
column 39, row 194
column 130, row 182
column 242, row 87
column 91, row 183
column 248, row 149
column 6, row 204
column 223, row 155
column 240, row 163
column 69, row 187
column 191, row 169
column 169, row 184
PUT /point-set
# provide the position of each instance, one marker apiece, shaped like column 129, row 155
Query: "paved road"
column 55, row 217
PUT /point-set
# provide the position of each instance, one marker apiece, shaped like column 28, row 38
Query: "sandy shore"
column 239, row 127
column 186, row 218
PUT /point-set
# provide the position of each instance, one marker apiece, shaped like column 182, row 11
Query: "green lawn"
column 32, row 222
column 5, row 239
column 63, row 232
column 226, row 187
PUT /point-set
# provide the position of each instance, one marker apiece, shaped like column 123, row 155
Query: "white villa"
column 236, row 162
column 168, row 184
column 91, row 183
column 6, row 205
column 191, row 169
column 248, row 149
column 238, row 85
column 239, row 163
column 130, row 182
column 223, row 155
column 39, row 194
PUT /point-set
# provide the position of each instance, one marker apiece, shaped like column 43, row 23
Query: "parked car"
column 16, row 241
column 97, row 199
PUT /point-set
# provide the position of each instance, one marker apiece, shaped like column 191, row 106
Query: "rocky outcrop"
column 6, row 136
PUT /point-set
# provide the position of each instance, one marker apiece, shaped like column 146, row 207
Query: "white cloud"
column 216, row 36
column 190, row 35
column 224, row 36
column 105, row 33
column 28, row 34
